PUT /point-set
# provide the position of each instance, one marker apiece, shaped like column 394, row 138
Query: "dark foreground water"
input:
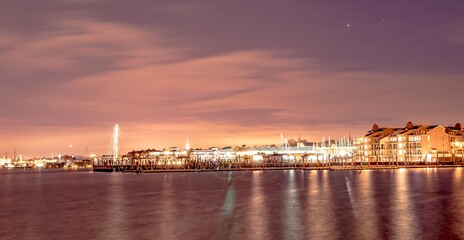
column 399, row 204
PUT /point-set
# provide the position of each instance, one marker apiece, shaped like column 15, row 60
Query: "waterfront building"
column 5, row 162
column 369, row 146
column 268, row 155
column 411, row 144
column 456, row 137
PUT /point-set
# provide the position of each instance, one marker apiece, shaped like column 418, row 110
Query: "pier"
column 210, row 167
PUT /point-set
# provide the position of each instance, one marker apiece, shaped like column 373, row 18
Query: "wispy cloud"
column 218, row 73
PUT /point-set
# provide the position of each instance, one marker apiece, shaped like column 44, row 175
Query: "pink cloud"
column 162, row 95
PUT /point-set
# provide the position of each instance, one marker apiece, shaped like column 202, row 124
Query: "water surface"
column 294, row 204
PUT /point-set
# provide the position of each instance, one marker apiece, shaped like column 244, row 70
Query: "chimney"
column 458, row 126
column 409, row 125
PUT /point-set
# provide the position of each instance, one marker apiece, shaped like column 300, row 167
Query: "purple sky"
column 222, row 73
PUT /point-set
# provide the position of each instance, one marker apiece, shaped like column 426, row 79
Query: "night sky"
column 222, row 72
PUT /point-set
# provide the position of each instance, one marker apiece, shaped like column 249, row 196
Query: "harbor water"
column 270, row 204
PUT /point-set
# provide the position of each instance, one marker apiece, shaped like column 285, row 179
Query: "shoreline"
column 326, row 168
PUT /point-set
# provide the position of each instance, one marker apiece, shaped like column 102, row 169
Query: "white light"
column 343, row 152
column 115, row 143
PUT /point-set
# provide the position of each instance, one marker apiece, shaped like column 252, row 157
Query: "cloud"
column 75, row 44
column 74, row 81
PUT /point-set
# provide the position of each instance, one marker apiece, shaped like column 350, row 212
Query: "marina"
column 342, row 154
column 379, row 149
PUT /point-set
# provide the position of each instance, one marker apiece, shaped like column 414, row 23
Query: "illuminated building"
column 301, row 152
column 411, row 144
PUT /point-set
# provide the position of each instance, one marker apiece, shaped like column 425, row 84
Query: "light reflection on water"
column 399, row 204
column 320, row 212
column 364, row 207
column 257, row 217
column 402, row 209
column 457, row 222
column 293, row 226
column 115, row 212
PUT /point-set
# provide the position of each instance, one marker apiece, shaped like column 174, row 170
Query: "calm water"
column 400, row 204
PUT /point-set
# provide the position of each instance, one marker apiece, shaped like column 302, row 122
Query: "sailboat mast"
column 115, row 143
